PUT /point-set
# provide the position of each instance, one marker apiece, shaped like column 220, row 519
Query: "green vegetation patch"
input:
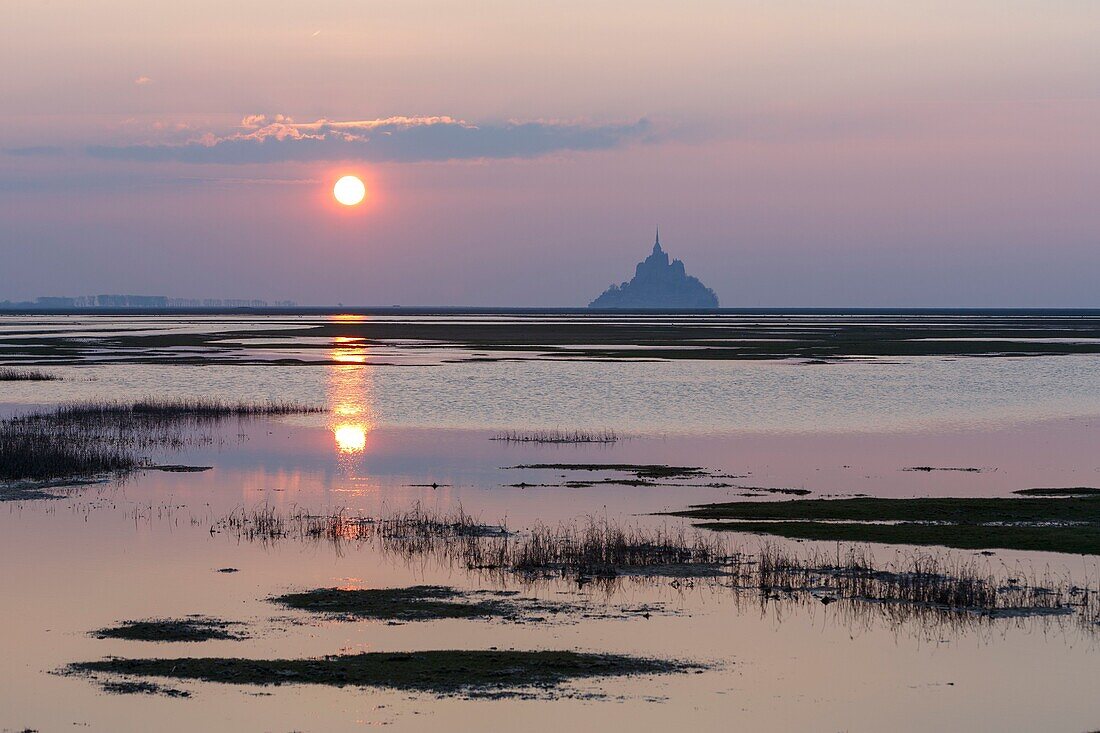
column 415, row 603
column 446, row 672
column 430, row 603
column 168, row 629
column 1075, row 540
column 867, row 509
column 1047, row 523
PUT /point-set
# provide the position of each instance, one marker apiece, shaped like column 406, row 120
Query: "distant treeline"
column 141, row 301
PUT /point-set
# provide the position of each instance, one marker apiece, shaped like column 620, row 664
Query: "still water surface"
column 145, row 548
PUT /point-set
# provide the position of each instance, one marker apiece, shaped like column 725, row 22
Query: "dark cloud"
column 35, row 150
column 402, row 139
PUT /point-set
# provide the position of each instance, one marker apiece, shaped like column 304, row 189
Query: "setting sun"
column 349, row 190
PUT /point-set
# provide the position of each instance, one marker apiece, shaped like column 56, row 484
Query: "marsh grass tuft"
column 9, row 374
column 415, row 528
column 945, row 582
column 557, row 436
column 599, row 550
column 599, row 547
column 93, row 439
column 596, row 547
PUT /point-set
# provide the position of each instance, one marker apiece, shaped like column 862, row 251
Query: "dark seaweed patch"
column 642, row 471
column 415, row 603
column 1071, row 491
column 191, row 629
column 1044, row 522
column 445, row 672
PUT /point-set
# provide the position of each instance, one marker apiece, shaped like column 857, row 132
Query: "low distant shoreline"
column 335, row 310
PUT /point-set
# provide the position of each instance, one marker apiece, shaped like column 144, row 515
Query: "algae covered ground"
column 1050, row 522
column 444, row 672
column 415, row 603
column 191, row 629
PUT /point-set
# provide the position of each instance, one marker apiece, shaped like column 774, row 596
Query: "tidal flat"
column 306, row 336
column 275, row 571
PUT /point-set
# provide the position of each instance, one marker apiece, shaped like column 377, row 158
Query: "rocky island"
column 658, row 283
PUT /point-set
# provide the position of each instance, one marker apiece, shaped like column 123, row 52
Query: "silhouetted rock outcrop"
column 658, row 283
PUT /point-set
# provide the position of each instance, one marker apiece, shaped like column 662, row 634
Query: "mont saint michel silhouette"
column 658, row 283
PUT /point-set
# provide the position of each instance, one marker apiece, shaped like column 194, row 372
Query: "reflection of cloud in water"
column 350, row 395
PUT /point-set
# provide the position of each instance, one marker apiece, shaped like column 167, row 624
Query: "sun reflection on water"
column 350, row 438
column 350, row 395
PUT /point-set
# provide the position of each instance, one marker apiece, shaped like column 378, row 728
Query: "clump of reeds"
column 416, row 525
column 43, row 455
column 597, row 547
column 600, row 547
column 946, row 582
column 910, row 585
column 259, row 523
column 9, row 374
column 152, row 411
column 413, row 532
column 89, row 439
column 557, row 436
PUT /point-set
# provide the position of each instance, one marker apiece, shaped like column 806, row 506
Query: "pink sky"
column 794, row 154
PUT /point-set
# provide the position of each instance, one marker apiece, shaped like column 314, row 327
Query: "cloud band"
column 398, row 139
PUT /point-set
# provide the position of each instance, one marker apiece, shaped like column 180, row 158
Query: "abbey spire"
column 658, row 283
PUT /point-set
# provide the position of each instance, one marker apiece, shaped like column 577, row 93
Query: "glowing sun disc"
column 349, row 190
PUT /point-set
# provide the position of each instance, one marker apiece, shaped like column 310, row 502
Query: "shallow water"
column 696, row 397
column 145, row 548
